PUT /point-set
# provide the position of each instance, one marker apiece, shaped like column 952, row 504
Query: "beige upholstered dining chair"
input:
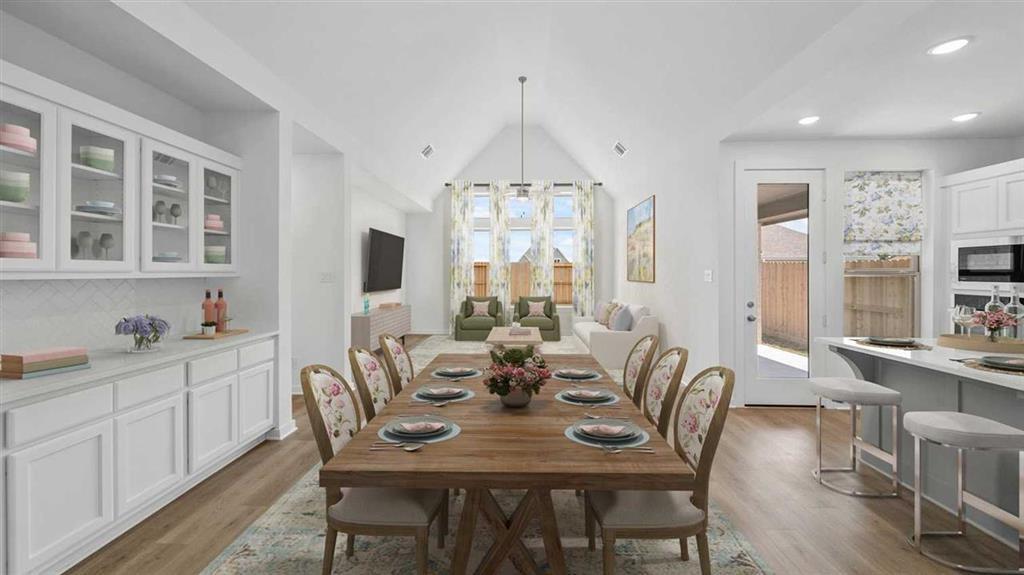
column 662, row 386
column 638, row 363
column 371, row 379
column 700, row 418
column 398, row 362
column 335, row 418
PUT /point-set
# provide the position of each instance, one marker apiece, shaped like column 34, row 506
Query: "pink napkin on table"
column 587, row 393
column 422, row 426
column 603, row 429
column 443, row 390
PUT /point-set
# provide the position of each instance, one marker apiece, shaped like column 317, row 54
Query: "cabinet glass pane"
column 217, row 197
column 20, row 201
column 97, row 196
column 170, row 187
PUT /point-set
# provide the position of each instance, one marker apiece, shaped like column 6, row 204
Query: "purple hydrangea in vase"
column 993, row 321
column 515, row 375
column 146, row 331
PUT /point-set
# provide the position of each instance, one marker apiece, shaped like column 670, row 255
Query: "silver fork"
column 611, row 449
column 594, row 416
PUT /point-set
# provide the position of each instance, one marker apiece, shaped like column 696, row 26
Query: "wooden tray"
column 978, row 342
column 217, row 335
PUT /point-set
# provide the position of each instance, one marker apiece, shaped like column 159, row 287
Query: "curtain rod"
column 518, row 185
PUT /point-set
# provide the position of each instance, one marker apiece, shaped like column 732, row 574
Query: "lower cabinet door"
column 212, row 421
column 59, row 493
column 150, row 452
column 255, row 401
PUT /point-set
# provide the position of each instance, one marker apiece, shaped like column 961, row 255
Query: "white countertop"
column 936, row 359
column 111, row 364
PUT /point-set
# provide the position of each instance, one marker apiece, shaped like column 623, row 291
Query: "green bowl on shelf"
column 13, row 193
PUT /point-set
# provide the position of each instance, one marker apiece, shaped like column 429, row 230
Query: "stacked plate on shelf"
column 213, row 222
column 14, row 186
column 17, row 245
column 97, row 157
column 102, row 208
column 166, row 180
column 167, row 257
column 216, row 254
column 17, row 137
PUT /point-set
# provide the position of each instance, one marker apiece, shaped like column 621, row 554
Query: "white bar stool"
column 964, row 431
column 856, row 392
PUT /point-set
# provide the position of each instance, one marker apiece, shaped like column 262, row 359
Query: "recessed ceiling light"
column 948, row 47
column 966, row 117
column 809, row 120
column 427, row 152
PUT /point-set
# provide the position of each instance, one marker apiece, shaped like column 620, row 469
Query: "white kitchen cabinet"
column 975, row 207
column 97, row 194
column 255, row 401
column 212, row 421
column 220, row 217
column 150, row 452
column 1010, row 190
column 169, row 206
column 31, row 216
column 59, row 493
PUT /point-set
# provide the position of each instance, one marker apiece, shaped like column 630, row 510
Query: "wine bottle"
column 994, row 304
column 209, row 310
column 1015, row 309
column 222, row 311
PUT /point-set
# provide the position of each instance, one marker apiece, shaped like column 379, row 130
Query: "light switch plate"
column 709, row 276
column 327, row 277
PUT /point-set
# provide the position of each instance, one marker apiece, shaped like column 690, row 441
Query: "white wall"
column 320, row 294
column 369, row 212
column 427, row 247
column 836, row 157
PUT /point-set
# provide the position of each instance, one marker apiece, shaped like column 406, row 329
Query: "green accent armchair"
column 469, row 328
column 548, row 325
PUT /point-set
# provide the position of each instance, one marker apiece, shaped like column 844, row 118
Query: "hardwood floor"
column 761, row 481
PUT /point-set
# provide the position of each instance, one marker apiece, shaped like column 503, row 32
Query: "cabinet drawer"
column 201, row 370
column 256, row 353
column 142, row 388
column 25, row 424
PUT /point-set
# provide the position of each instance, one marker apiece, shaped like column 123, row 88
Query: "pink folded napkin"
column 586, row 393
column 579, row 372
column 603, row 429
column 422, row 426
column 444, row 390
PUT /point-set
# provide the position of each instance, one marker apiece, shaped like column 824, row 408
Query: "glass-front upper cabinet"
column 220, row 210
column 97, row 190
column 169, row 208
column 28, row 128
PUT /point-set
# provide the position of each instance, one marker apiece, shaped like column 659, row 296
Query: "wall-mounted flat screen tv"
column 384, row 261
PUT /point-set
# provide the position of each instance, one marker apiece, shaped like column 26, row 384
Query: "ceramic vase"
column 516, row 398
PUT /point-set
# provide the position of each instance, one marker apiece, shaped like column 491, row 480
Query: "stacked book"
column 43, row 362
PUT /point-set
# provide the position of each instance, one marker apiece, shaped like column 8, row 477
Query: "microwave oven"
column 983, row 262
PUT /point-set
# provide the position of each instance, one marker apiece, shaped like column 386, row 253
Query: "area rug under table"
column 289, row 539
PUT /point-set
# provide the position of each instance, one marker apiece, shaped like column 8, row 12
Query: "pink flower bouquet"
column 993, row 321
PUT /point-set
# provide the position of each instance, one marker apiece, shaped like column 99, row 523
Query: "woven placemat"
column 916, row 346
column 975, row 364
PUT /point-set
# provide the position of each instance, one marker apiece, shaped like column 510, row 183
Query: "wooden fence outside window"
column 519, row 280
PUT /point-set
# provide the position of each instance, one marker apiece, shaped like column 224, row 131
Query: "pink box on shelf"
column 15, row 237
column 15, row 129
column 214, row 217
column 18, row 256
column 18, row 247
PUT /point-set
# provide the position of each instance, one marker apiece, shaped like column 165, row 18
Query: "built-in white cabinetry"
column 220, row 217
column 255, row 401
column 169, row 208
column 987, row 200
column 212, row 421
column 150, row 451
column 59, row 493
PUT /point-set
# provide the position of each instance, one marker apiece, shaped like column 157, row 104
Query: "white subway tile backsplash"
column 36, row 314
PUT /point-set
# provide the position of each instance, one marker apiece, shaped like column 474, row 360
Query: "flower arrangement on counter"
column 146, row 330
column 993, row 321
column 516, row 374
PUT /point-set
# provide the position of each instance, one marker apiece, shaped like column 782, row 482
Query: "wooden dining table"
column 506, row 448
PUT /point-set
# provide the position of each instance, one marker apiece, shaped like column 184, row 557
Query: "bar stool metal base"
column 857, row 443
column 963, row 498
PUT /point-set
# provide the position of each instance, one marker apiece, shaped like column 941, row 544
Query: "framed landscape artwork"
column 640, row 242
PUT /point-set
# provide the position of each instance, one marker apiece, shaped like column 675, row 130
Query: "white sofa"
column 611, row 348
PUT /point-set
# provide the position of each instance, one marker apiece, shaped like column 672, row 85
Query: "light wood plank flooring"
column 761, row 480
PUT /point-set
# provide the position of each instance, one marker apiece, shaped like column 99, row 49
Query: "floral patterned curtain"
column 498, row 272
column 461, row 245
column 884, row 214
column 542, row 256
column 583, row 249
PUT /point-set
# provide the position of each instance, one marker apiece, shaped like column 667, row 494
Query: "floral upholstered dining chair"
column 638, row 363
column 398, row 362
column 371, row 379
column 700, row 419
column 335, row 418
column 662, row 387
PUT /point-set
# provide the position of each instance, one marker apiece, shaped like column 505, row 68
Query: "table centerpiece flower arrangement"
column 994, row 321
column 146, row 331
column 515, row 375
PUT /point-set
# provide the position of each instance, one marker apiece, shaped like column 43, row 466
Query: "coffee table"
column 500, row 336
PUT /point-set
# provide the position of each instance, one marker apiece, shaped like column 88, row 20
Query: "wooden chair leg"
column 442, row 523
column 608, row 551
column 422, row 550
column 579, row 493
column 684, row 550
column 590, row 523
column 329, row 541
column 350, row 545
column 704, row 552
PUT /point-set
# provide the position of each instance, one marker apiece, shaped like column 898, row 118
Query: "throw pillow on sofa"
column 622, row 320
column 536, row 309
column 601, row 312
column 480, row 309
column 610, row 309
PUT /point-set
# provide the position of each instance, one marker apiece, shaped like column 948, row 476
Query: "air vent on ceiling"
column 427, row 152
column 620, row 149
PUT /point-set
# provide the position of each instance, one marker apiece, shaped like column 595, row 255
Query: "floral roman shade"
column 498, row 271
column 542, row 255
column 461, row 245
column 884, row 214
column 583, row 260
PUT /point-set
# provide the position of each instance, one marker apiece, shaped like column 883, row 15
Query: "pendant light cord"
column 522, row 134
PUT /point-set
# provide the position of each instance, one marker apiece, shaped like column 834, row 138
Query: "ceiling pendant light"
column 523, row 192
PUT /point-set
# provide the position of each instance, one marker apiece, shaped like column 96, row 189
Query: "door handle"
column 751, row 318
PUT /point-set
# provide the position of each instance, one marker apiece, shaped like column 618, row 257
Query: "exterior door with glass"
column 780, row 233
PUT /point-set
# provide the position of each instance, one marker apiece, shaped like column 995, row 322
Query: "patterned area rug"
column 289, row 539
